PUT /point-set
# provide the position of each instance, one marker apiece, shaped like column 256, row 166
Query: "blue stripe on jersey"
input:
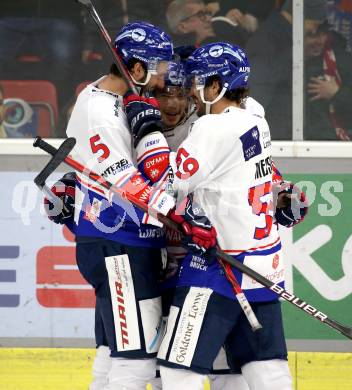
column 99, row 218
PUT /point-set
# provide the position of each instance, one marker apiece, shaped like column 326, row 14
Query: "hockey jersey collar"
column 231, row 108
column 94, row 87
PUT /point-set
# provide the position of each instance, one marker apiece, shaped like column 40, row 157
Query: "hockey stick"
column 59, row 156
column 88, row 5
column 287, row 296
column 241, row 298
column 62, row 155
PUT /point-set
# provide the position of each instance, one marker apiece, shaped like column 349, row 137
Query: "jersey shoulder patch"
column 251, row 143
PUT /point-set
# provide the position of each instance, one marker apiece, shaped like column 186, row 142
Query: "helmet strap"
column 149, row 75
column 208, row 103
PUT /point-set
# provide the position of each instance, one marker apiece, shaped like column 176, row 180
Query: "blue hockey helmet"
column 225, row 60
column 175, row 74
column 145, row 42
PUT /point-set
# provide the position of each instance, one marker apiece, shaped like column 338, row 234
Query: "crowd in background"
column 58, row 41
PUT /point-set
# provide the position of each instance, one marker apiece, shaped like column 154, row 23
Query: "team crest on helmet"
column 216, row 51
column 138, row 35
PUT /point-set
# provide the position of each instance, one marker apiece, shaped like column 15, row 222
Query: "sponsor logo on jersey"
column 152, row 142
column 251, row 143
column 155, row 160
column 92, row 212
column 155, row 166
column 172, row 236
column 198, row 263
column 116, row 108
column 117, row 167
column 266, row 139
column 276, row 261
column 263, row 167
column 275, row 277
column 150, row 233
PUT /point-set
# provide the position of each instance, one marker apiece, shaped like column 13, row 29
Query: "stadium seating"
column 42, row 96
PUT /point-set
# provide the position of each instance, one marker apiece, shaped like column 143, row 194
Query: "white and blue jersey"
column 226, row 162
column 104, row 145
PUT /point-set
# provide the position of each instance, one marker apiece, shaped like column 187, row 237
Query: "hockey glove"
column 200, row 235
column 143, row 115
column 291, row 206
column 64, row 189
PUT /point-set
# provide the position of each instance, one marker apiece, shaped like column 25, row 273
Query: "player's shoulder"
column 105, row 108
column 254, row 107
column 204, row 122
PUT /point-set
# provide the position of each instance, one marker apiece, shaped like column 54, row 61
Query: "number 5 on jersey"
column 99, row 147
column 186, row 166
column 258, row 207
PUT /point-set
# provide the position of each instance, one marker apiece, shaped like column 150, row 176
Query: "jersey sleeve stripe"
column 152, row 151
column 124, row 179
column 90, row 186
column 238, row 251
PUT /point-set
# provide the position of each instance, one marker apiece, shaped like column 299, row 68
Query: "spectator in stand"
column 328, row 81
column 114, row 14
column 340, row 18
column 246, row 13
column 270, row 51
column 46, row 30
column 190, row 22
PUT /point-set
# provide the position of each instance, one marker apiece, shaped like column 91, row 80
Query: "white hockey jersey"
column 175, row 251
column 226, row 162
column 177, row 135
column 104, row 145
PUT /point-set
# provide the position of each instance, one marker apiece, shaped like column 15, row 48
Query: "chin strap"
column 149, row 75
column 208, row 103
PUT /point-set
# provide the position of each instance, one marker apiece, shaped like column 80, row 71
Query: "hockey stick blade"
column 289, row 297
column 59, row 156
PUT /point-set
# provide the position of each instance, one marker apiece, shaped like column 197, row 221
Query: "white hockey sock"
column 101, row 368
column 176, row 379
column 228, row 382
column 268, row 375
column 130, row 374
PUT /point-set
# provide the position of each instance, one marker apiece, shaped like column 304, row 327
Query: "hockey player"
column 172, row 102
column 98, row 365
column 116, row 253
column 226, row 162
column 178, row 114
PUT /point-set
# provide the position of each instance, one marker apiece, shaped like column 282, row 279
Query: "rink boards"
column 70, row 369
